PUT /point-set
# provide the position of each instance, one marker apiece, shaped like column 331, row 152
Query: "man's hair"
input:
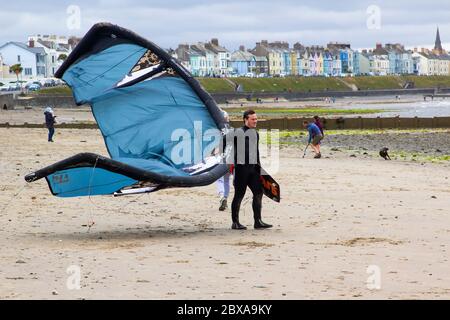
column 305, row 122
column 316, row 118
column 248, row 113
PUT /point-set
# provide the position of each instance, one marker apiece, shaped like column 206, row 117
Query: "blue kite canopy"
column 158, row 123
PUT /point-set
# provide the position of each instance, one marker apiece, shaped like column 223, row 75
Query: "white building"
column 364, row 63
column 430, row 64
column 32, row 60
column 379, row 65
column 222, row 63
column 421, row 63
column 2, row 76
column 210, row 58
column 54, row 47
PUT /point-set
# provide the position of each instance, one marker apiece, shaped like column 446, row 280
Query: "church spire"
column 438, row 44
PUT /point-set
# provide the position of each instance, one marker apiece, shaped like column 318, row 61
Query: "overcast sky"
column 169, row 22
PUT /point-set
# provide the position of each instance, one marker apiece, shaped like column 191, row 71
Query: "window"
column 18, row 58
column 41, row 70
column 28, row 71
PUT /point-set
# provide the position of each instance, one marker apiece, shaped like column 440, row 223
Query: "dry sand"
column 338, row 216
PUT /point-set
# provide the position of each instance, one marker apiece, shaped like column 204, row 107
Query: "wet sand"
column 340, row 218
column 83, row 114
column 415, row 145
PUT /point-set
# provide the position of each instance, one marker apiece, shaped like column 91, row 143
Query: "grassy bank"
column 294, row 84
column 321, row 84
column 53, row 91
column 301, row 84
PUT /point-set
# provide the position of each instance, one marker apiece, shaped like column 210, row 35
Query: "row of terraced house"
column 277, row 59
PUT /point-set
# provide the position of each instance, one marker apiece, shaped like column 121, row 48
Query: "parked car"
column 34, row 87
column 13, row 87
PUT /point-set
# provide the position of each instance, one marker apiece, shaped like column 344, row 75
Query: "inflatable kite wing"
column 158, row 123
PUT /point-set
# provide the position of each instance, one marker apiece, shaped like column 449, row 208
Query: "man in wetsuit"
column 247, row 171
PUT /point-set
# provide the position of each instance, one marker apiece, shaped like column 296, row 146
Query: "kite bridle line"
column 91, row 221
column 12, row 198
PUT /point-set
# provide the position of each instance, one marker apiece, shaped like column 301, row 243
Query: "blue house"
column 344, row 61
column 287, row 62
column 327, row 63
column 243, row 62
column 345, row 56
column 356, row 66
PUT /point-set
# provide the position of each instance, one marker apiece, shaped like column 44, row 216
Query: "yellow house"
column 275, row 58
column 294, row 66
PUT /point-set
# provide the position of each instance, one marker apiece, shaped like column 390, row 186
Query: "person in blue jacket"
column 314, row 138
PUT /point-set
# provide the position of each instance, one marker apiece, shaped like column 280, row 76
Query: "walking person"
column 247, row 171
column 314, row 138
column 50, row 122
column 223, row 184
column 223, row 189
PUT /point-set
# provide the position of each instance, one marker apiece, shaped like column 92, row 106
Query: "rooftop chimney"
column 31, row 43
column 215, row 41
column 241, row 48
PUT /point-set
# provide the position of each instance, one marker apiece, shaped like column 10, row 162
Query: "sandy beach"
column 343, row 222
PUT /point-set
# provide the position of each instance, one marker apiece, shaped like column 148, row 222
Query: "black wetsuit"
column 247, row 172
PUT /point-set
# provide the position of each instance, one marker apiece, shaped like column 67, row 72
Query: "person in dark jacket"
column 50, row 122
column 318, row 123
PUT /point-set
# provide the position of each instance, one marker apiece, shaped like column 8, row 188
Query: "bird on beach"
column 384, row 153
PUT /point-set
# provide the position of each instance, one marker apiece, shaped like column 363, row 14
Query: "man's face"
column 251, row 121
